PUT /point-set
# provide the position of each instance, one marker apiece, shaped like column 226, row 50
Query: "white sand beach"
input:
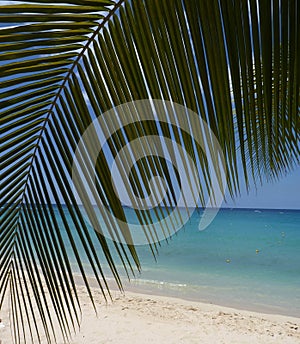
column 137, row 318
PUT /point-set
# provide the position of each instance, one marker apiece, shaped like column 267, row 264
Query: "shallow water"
column 246, row 258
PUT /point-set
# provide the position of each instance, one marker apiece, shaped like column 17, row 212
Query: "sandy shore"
column 138, row 318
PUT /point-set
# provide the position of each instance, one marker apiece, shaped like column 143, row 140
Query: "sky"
column 283, row 194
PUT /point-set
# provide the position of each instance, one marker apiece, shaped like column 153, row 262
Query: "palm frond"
column 62, row 65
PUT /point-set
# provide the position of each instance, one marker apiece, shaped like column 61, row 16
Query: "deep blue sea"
column 246, row 258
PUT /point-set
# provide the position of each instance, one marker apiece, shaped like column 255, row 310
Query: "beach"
column 140, row 318
column 236, row 282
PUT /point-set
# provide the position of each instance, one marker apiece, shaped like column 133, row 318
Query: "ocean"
column 246, row 258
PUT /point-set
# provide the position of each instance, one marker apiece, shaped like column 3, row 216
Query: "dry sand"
column 138, row 318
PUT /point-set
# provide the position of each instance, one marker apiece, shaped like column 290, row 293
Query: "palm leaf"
column 62, row 65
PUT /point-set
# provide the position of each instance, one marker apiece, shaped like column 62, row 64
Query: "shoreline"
column 137, row 317
column 163, row 289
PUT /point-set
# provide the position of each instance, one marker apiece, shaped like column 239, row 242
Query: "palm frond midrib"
column 65, row 81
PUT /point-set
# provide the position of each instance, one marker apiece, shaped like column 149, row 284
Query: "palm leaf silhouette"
column 235, row 63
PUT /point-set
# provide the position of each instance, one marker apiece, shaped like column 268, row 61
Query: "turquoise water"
column 246, row 259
